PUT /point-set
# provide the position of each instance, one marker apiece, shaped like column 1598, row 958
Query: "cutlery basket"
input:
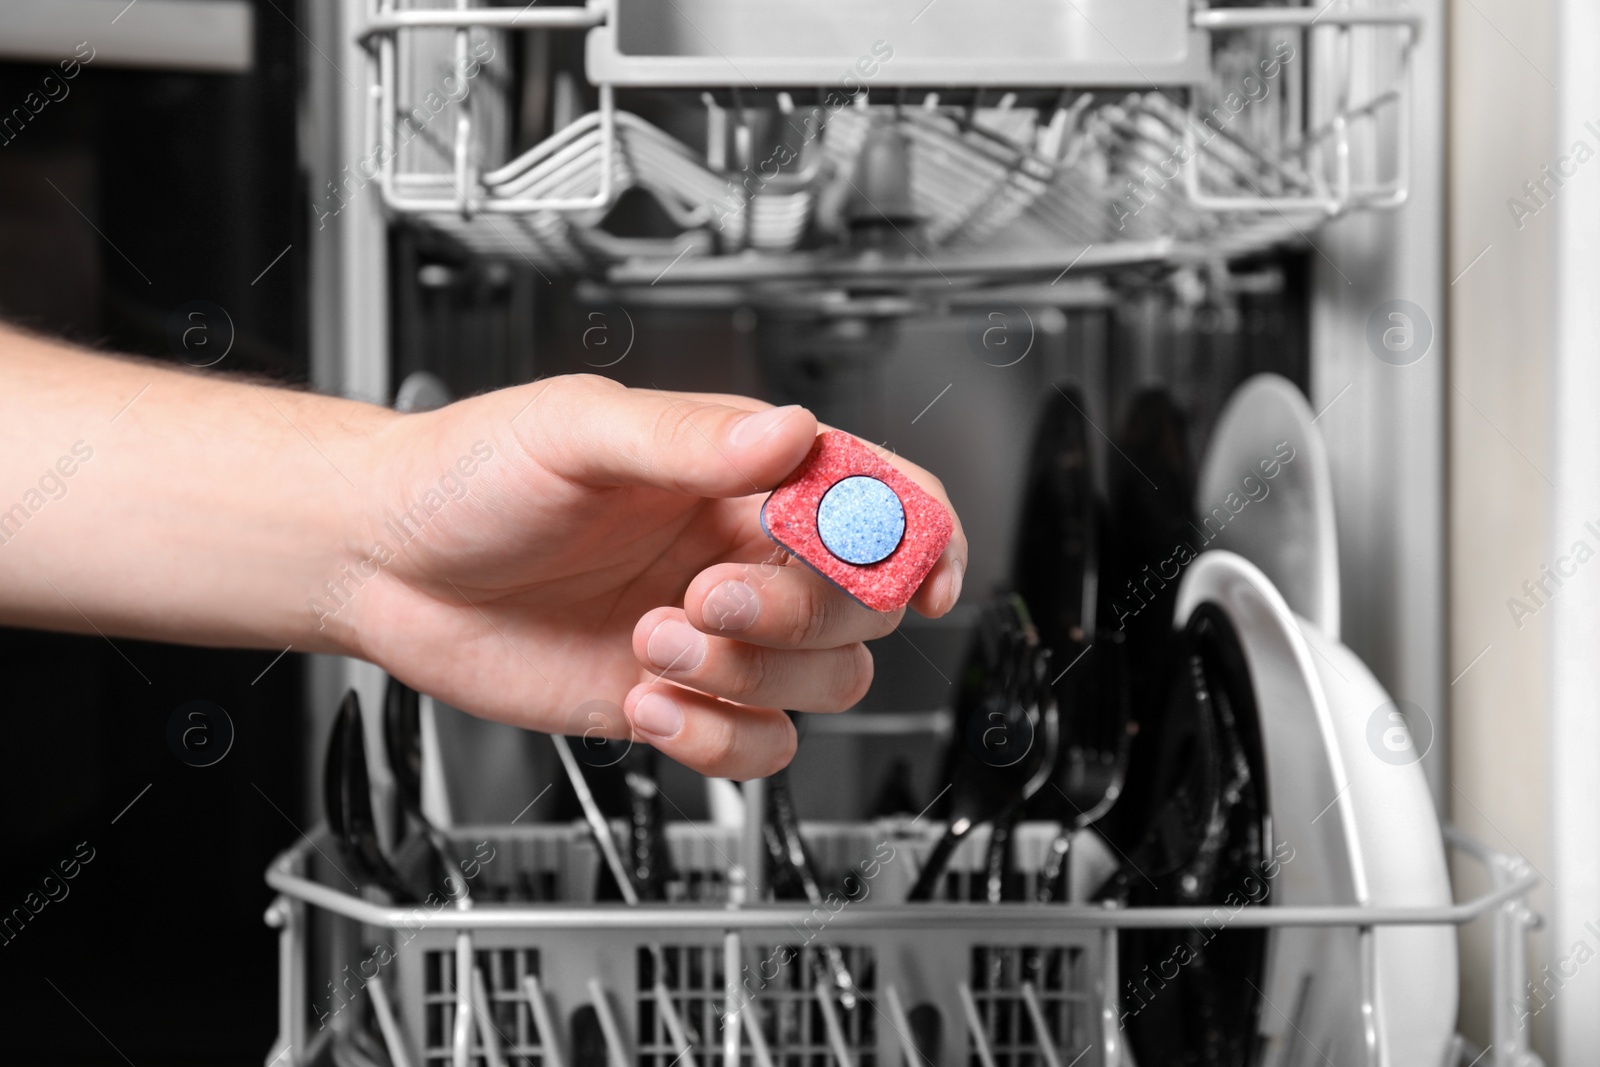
column 556, row 978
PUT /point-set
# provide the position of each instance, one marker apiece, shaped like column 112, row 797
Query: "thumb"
column 598, row 432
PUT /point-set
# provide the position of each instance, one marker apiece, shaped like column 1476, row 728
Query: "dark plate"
column 1191, row 997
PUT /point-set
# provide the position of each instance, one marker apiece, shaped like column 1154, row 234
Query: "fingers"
column 598, row 432
column 780, row 607
column 824, row 679
column 941, row 588
column 718, row 739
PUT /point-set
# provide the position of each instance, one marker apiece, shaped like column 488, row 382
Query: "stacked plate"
column 1352, row 819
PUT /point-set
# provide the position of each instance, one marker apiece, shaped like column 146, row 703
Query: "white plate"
column 1363, row 832
column 1283, row 524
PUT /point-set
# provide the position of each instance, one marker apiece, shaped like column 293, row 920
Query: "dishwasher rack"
column 550, row 971
column 1173, row 147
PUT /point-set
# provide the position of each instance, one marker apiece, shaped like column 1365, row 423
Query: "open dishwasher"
column 1137, row 804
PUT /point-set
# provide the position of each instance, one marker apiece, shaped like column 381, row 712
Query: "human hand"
column 603, row 566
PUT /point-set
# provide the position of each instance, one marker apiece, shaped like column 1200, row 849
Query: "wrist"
column 335, row 584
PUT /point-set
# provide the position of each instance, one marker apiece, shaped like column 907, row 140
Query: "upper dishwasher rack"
column 1000, row 144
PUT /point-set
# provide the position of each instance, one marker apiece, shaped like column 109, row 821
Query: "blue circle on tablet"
column 860, row 520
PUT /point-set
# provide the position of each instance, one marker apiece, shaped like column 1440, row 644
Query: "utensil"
column 402, row 742
column 488, row 1033
column 543, row 1021
column 601, row 832
column 617, row 1053
column 648, row 850
column 795, row 877
column 1057, row 573
column 589, row 1045
column 975, row 1027
column 1089, row 776
column 1006, row 731
column 347, row 798
column 897, row 796
column 831, row 1025
column 388, row 1026
column 1041, row 1026
column 1000, row 876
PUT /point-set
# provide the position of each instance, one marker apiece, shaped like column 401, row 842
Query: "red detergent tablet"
column 858, row 522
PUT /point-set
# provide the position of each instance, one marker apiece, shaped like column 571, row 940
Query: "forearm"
column 141, row 501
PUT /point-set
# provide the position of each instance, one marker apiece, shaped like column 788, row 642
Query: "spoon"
column 347, row 797
column 402, row 742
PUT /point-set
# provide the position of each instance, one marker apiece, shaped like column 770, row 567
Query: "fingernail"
column 676, row 646
column 753, row 427
column 957, row 570
column 658, row 716
column 733, row 605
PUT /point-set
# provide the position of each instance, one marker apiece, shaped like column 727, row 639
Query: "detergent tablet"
column 858, row 522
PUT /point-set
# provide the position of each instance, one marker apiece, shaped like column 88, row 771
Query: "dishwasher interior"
column 1132, row 802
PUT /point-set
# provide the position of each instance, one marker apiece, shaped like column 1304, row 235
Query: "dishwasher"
column 1141, row 799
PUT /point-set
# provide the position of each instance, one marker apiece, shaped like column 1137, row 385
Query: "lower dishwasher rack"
column 666, row 984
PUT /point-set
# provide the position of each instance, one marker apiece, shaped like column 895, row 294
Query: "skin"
column 575, row 581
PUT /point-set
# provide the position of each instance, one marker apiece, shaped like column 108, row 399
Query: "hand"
column 573, row 553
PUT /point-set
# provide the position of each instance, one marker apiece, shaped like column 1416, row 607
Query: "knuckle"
column 805, row 619
column 750, row 676
column 576, row 387
column 720, row 744
column 595, row 382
